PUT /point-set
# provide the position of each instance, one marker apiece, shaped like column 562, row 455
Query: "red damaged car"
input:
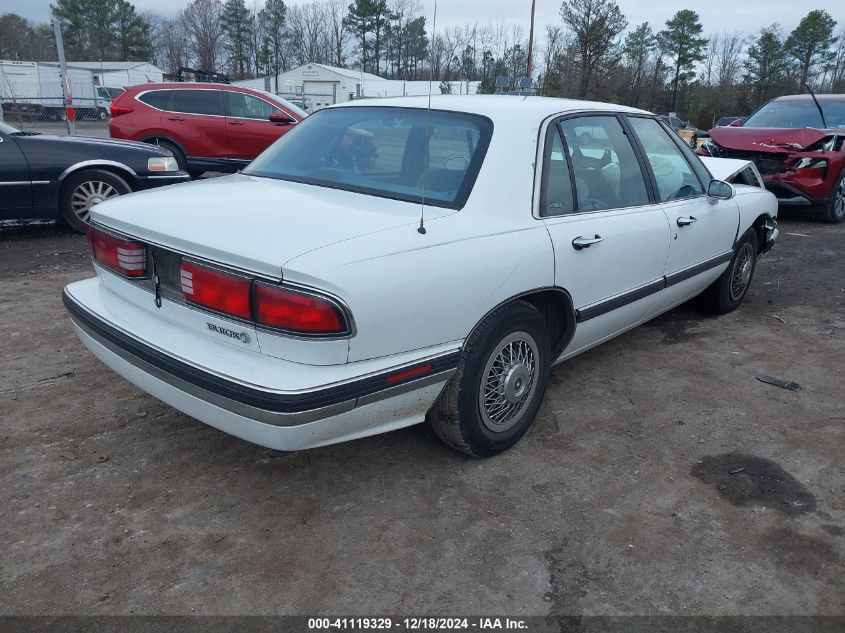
column 798, row 146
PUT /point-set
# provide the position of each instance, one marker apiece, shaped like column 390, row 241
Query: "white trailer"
column 34, row 89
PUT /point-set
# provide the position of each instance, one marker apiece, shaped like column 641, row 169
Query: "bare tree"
column 306, row 33
column 201, row 20
column 338, row 31
column 729, row 59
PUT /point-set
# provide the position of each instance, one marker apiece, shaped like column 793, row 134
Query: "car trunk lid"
column 251, row 223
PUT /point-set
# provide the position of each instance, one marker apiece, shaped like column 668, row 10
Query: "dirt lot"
column 660, row 478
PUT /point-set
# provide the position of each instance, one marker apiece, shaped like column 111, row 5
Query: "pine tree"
column 811, row 45
column 766, row 64
column 237, row 24
column 272, row 20
column 681, row 42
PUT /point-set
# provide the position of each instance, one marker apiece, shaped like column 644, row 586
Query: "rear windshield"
column 798, row 114
column 382, row 151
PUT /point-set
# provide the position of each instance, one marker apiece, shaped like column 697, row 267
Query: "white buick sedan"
column 385, row 262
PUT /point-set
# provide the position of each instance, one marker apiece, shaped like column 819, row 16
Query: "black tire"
column 102, row 114
column 728, row 291
column 195, row 174
column 93, row 180
column 835, row 211
column 177, row 154
column 457, row 416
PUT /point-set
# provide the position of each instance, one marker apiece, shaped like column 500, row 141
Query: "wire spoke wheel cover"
column 839, row 201
column 88, row 194
column 743, row 266
column 508, row 382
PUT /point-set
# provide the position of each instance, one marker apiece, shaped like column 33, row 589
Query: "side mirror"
column 283, row 119
column 719, row 190
column 735, row 123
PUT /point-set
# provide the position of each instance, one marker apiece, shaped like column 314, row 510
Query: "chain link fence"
column 32, row 98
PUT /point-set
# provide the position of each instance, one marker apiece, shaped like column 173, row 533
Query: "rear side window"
column 156, row 98
column 607, row 172
column 197, row 102
column 557, row 197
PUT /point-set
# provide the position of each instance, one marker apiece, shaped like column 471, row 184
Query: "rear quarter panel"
column 408, row 291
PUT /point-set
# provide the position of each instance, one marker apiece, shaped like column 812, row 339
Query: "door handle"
column 686, row 221
column 175, row 118
column 236, row 122
column 585, row 242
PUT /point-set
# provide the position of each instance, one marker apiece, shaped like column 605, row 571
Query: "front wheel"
column 728, row 291
column 835, row 211
column 83, row 190
column 493, row 397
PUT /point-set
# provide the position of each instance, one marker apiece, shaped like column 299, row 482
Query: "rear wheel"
column 728, row 291
column 83, row 190
column 493, row 397
column 178, row 154
column 835, row 211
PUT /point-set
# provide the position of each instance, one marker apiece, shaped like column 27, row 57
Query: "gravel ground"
column 660, row 477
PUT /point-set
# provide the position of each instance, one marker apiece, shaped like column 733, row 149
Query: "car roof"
column 495, row 106
column 171, row 85
column 807, row 97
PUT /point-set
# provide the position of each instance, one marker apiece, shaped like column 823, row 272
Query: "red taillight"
column 294, row 311
column 215, row 290
column 117, row 110
column 124, row 257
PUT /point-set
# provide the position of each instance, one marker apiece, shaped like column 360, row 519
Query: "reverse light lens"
column 293, row 311
column 215, row 290
column 124, row 257
column 162, row 163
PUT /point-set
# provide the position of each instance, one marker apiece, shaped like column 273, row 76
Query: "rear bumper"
column 283, row 420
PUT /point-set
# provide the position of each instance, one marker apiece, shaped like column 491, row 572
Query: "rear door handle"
column 686, row 221
column 175, row 118
column 236, row 122
column 581, row 242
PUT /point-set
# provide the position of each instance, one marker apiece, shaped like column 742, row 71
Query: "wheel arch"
column 156, row 139
column 112, row 166
column 555, row 304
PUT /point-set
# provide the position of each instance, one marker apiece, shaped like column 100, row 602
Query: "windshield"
column 382, row 151
column 5, row 128
column 290, row 106
column 798, row 114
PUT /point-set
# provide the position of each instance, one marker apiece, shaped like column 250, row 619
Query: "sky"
column 746, row 16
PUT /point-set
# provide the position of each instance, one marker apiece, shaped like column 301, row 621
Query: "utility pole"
column 531, row 38
column 67, row 91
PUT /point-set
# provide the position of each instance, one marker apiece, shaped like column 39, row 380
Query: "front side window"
column 673, row 174
column 607, row 173
column 246, row 106
column 403, row 153
column 197, row 102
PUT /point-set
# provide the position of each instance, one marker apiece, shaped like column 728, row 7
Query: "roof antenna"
column 421, row 228
column 818, row 105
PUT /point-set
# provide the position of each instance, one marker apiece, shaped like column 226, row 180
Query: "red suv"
column 208, row 127
column 798, row 145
